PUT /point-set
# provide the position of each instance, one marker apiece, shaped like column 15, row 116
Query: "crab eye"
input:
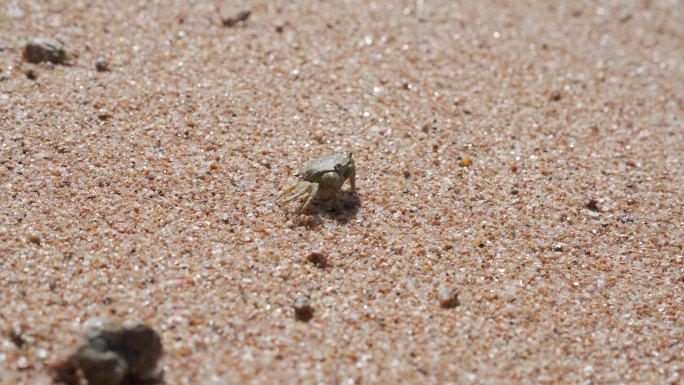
column 338, row 167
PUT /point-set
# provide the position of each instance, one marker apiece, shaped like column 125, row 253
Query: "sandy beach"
column 518, row 215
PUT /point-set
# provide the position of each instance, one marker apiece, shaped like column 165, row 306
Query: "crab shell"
column 341, row 163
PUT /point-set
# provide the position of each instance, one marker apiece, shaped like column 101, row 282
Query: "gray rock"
column 142, row 348
column 100, row 366
column 113, row 352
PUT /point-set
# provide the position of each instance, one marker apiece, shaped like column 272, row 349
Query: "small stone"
column 143, row 348
column 303, row 311
column 114, row 351
column 465, row 162
column 593, row 205
column 239, row 17
column 448, row 297
column 318, row 259
column 101, row 366
column 102, row 66
column 33, row 238
column 32, row 74
column 16, row 335
column 42, row 49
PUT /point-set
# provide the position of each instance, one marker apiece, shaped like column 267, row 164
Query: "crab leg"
column 302, row 186
column 314, row 189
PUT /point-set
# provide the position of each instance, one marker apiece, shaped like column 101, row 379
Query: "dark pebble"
column 114, row 352
column 237, row 18
column 303, row 311
column 593, row 205
column 448, row 297
column 42, row 49
column 102, row 66
column 318, row 259
column 16, row 335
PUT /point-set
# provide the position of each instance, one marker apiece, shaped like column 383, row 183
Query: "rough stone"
column 303, row 311
column 114, row 351
column 44, row 49
column 448, row 297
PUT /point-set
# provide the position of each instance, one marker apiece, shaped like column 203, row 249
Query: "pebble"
column 593, row 205
column 303, row 311
column 113, row 352
column 16, row 335
column 101, row 366
column 32, row 74
column 44, row 49
column 448, row 297
column 102, row 66
column 239, row 17
column 318, row 259
column 33, row 238
column 465, row 162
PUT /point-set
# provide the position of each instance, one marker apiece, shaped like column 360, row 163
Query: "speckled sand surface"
column 147, row 192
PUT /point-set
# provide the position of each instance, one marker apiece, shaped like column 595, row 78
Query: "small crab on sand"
column 323, row 179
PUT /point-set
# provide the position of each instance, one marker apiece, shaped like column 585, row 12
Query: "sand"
column 526, row 155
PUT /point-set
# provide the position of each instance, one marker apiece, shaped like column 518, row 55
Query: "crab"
column 323, row 179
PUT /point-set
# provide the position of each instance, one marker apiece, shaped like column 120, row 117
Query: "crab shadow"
column 350, row 202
